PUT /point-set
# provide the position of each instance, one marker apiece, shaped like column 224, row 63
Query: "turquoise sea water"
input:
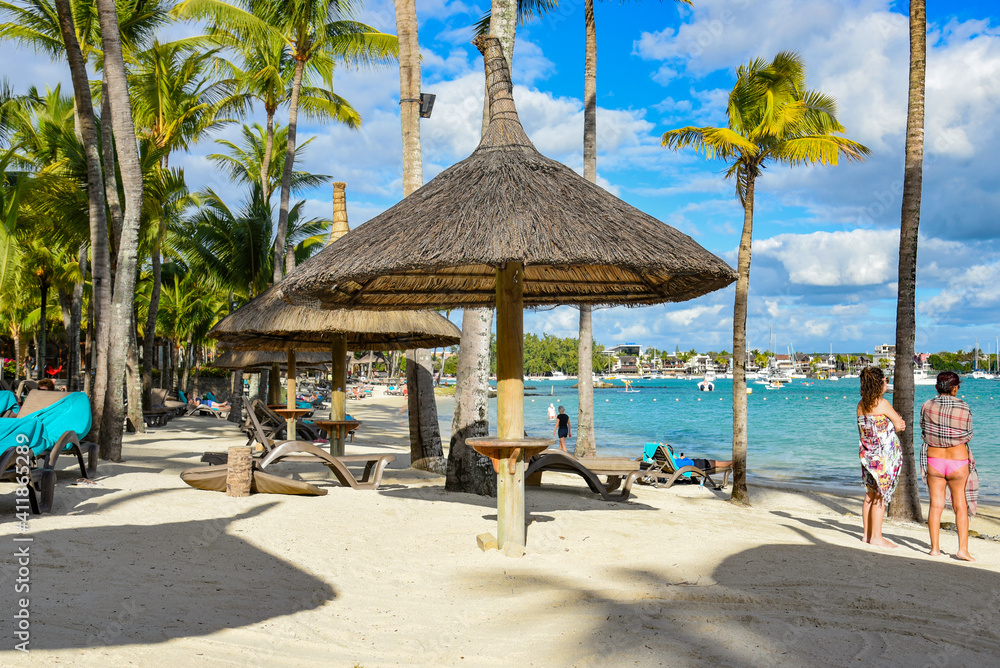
column 805, row 432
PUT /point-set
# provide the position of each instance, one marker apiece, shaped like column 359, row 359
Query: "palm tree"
column 176, row 101
column 245, row 161
column 265, row 73
column 907, row 500
column 585, row 444
column 772, row 117
column 127, row 150
column 317, row 34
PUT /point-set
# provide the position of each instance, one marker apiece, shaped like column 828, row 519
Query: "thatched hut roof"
column 269, row 323
column 249, row 359
column 506, row 203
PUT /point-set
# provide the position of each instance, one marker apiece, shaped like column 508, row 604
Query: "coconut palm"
column 265, row 71
column 318, row 34
column 244, row 162
column 772, row 118
column 907, row 500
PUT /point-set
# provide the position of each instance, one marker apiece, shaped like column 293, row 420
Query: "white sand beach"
column 140, row 569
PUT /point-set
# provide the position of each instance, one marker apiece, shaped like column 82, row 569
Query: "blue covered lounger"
column 47, row 424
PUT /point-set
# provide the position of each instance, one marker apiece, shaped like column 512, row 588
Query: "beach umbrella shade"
column 268, row 323
column 511, row 228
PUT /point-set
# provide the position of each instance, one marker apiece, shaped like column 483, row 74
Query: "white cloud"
column 853, row 258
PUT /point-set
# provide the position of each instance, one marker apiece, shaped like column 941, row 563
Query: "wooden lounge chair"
column 274, row 425
column 213, row 479
column 620, row 472
column 661, row 472
column 303, row 451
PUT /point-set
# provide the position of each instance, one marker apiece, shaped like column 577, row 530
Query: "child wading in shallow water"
column 880, row 452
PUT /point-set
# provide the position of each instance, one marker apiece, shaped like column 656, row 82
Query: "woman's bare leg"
column 878, row 512
column 960, row 505
column 866, row 510
column 936, row 484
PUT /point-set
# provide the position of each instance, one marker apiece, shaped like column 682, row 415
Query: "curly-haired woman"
column 946, row 461
column 880, row 452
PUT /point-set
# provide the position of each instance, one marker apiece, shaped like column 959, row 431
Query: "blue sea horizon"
column 804, row 434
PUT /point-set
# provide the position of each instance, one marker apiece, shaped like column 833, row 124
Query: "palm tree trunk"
column 585, row 444
column 127, row 151
column 265, row 165
column 286, row 175
column 110, row 178
column 906, row 501
column 150, row 331
column 133, row 381
column 42, row 344
column 100, row 271
column 741, row 495
column 425, row 435
column 75, row 321
column 188, row 354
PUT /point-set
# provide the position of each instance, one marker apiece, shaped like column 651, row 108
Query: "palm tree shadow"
column 775, row 605
column 853, row 529
column 147, row 584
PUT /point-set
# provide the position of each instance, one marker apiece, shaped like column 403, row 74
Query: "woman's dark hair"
column 947, row 381
column 872, row 387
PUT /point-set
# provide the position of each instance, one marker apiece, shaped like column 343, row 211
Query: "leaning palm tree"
column 772, row 118
column 907, row 506
column 317, row 33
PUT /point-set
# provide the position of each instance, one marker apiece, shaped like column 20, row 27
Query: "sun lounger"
column 620, row 472
column 275, row 426
column 8, row 404
column 49, row 424
column 213, row 479
column 660, row 470
column 302, row 451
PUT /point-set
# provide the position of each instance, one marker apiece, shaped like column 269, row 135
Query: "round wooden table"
column 337, row 431
column 508, row 457
column 291, row 415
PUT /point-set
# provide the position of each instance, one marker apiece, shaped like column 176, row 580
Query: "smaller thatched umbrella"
column 269, row 323
column 261, row 359
column 511, row 228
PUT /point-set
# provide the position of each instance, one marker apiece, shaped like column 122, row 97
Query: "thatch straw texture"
column 249, row 359
column 441, row 245
column 269, row 323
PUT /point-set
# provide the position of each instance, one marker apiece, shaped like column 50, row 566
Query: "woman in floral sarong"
column 880, row 452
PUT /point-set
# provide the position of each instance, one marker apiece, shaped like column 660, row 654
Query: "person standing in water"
column 562, row 426
column 880, row 452
column 552, row 412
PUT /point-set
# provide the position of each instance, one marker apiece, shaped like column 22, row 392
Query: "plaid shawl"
column 946, row 421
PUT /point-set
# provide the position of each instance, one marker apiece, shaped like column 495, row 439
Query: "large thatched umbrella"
column 268, row 323
column 512, row 228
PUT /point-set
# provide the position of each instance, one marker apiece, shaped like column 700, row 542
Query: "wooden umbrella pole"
column 290, row 391
column 510, row 406
column 338, row 392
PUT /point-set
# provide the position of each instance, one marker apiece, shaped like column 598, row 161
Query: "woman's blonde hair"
column 872, row 387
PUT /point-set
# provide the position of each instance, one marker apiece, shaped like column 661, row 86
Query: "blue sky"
column 825, row 239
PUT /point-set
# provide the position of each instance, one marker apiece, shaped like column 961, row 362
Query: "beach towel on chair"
column 71, row 413
column 7, row 401
column 14, row 432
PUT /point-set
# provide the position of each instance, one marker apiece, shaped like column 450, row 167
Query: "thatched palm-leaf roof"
column 506, row 203
column 269, row 323
column 249, row 359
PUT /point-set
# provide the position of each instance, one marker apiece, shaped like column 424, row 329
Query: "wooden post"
column 290, row 392
column 240, row 473
column 338, row 392
column 510, row 407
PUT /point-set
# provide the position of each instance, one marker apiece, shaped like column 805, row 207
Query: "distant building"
column 627, row 364
column 633, row 349
column 884, row 352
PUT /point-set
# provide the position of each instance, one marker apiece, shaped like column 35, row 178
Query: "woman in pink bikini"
column 946, row 461
column 880, row 452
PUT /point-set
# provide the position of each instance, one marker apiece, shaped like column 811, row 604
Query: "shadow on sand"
column 199, row 580
column 781, row 605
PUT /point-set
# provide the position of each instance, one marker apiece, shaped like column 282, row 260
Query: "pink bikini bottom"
column 946, row 466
